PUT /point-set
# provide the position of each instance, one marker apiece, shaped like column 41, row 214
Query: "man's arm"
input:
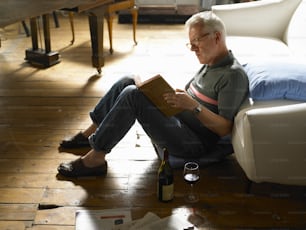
column 215, row 122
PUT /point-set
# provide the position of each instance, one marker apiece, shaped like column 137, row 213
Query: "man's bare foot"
column 93, row 158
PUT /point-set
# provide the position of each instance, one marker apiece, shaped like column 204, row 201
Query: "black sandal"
column 78, row 141
column 76, row 168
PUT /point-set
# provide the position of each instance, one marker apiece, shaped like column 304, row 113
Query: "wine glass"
column 191, row 176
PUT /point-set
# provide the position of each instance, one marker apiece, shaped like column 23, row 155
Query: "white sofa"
column 269, row 137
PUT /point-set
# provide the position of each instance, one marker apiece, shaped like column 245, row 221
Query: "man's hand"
column 180, row 99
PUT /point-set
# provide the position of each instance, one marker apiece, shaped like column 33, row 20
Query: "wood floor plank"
column 83, row 197
column 69, row 103
column 51, row 227
column 48, row 180
column 63, row 215
column 241, row 210
column 20, row 195
column 13, row 212
column 12, row 225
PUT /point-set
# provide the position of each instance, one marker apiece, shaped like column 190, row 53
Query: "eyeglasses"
column 195, row 42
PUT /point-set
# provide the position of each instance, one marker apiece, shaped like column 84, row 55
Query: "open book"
column 154, row 88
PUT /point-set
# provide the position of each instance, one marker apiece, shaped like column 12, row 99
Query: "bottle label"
column 167, row 192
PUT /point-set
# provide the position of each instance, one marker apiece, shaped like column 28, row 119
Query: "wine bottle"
column 165, row 184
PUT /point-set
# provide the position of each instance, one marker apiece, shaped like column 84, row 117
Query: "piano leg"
column 96, row 21
column 38, row 56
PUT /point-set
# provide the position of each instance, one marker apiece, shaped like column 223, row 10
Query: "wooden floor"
column 40, row 107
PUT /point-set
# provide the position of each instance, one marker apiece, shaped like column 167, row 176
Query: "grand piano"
column 17, row 10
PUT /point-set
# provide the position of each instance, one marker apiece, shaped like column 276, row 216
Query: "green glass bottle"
column 165, row 185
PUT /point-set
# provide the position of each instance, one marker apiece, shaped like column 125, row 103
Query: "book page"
column 154, row 88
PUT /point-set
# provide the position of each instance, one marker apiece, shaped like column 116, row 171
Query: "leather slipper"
column 76, row 168
column 78, row 141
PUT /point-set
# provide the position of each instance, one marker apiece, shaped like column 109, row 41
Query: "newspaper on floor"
column 121, row 220
column 152, row 222
column 101, row 219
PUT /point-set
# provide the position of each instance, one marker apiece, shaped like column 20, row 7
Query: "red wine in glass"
column 191, row 176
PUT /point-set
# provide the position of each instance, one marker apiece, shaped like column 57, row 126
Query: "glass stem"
column 191, row 190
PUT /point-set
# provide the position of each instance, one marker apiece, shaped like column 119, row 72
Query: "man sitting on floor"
column 210, row 102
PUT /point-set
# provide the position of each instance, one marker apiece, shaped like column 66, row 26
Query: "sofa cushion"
column 247, row 49
column 276, row 79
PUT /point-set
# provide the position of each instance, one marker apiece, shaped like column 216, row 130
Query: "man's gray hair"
column 208, row 20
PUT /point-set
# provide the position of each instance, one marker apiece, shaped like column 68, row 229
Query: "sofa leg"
column 248, row 186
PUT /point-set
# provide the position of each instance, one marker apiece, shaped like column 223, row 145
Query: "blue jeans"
column 123, row 104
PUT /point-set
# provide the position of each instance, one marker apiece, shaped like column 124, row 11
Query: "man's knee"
column 134, row 97
column 130, row 90
column 127, row 80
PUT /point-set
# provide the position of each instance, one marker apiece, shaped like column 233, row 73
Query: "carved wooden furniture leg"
column 109, row 19
column 111, row 11
column 134, row 12
column 96, row 22
column 26, row 29
column 72, row 27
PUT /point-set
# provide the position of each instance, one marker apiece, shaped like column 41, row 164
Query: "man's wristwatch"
column 197, row 110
